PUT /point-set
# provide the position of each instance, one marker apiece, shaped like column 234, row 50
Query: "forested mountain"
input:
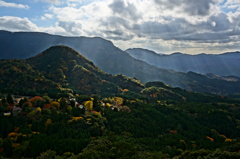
column 112, row 60
column 226, row 64
column 70, row 69
column 72, row 73
column 61, row 69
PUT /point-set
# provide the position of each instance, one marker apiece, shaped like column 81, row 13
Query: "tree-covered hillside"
column 69, row 72
column 20, row 78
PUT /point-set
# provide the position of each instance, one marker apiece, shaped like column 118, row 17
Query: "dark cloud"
column 157, row 30
column 116, row 23
column 123, row 38
column 114, row 32
column 125, row 10
column 221, row 22
column 191, row 7
column 153, row 27
column 118, row 28
column 118, row 35
column 207, row 37
column 217, row 28
column 69, row 26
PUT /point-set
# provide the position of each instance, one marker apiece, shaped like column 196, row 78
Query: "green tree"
column 49, row 154
column 96, row 105
column 27, row 107
column 22, row 101
column 97, row 149
column 40, row 103
column 69, row 109
column 46, row 99
column 10, row 99
column 4, row 102
column 63, row 103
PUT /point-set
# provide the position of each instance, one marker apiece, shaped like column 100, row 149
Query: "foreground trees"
column 118, row 127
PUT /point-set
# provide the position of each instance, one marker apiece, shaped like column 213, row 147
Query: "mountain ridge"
column 114, row 61
column 71, row 73
column 226, row 64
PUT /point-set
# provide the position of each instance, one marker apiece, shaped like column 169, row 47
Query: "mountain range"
column 71, row 73
column 226, row 64
column 105, row 56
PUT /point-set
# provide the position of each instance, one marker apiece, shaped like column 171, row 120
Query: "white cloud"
column 43, row 18
column 57, row 2
column 49, row 16
column 232, row 4
column 13, row 5
column 73, row 3
column 24, row 24
column 46, row 16
column 17, row 24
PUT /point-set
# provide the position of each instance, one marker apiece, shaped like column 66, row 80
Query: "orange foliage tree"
column 35, row 99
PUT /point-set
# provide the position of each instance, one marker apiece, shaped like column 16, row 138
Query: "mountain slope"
column 74, row 71
column 20, row 78
column 226, row 64
column 60, row 69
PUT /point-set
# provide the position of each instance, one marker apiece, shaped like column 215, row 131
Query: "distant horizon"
column 188, row 26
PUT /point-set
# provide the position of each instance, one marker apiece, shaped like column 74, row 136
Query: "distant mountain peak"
column 142, row 51
column 177, row 53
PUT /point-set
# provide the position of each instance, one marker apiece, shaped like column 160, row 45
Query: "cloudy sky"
column 165, row 26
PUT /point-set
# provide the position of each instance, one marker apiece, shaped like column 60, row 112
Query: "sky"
column 164, row 26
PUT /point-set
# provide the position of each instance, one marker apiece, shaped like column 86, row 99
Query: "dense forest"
column 66, row 107
column 119, row 127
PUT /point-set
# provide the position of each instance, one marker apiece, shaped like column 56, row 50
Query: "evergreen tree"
column 96, row 105
column 10, row 99
column 63, row 103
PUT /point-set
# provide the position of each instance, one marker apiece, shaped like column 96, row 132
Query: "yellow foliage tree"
column 75, row 119
column 228, row 140
column 108, row 105
column 118, row 100
column 48, row 122
column 55, row 104
column 89, row 105
column 39, row 109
